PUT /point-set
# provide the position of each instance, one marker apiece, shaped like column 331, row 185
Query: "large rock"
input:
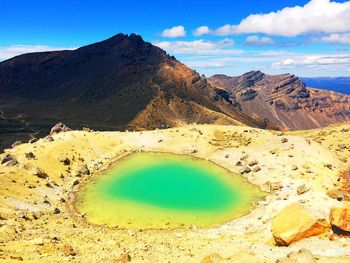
column 8, row 160
column 294, row 223
column 59, row 127
column 340, row 219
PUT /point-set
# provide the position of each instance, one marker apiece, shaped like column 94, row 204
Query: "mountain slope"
column 120, row 83
column 284, row 100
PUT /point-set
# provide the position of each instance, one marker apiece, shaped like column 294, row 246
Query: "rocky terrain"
column 284, row 100
column 117, row 84
column 304, row 218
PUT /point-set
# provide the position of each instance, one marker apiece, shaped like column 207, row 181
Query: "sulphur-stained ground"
column 38, row 222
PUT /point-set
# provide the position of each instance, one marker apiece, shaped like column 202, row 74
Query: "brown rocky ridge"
column 284, row 100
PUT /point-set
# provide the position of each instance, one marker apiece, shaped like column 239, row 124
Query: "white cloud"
column 176, row 31
column 337, row 38
column 202, row 30
column 316, row 60
column 199, row 47
column 15, row 50
column 259, row 41
column 317, row 16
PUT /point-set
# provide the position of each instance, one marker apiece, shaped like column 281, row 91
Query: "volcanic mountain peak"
column 119, row 83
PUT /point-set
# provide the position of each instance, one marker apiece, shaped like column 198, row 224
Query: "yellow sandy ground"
column 53, row 237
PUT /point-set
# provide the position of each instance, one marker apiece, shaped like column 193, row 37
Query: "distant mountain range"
column 126, row 83
column 284, row 100
column 339, row 84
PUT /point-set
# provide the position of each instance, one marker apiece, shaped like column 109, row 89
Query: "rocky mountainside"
column 284, row 100
column 117, row 84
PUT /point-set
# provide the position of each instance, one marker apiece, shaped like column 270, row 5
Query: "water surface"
column 158, row 190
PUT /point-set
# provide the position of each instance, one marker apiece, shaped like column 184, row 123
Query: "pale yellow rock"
column 294, row 223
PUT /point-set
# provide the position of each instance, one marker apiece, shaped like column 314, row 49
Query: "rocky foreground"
column 303, row 219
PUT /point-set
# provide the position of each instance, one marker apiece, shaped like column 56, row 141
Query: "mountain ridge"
column 120, row 83
column 284, row 100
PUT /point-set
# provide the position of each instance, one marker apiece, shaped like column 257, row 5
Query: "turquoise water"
column 156, row 190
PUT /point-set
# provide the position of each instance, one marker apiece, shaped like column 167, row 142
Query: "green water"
column 157, row 190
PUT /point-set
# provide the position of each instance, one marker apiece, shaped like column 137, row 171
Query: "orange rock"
column 123, row 258
column 294, row 223
column 340, row 218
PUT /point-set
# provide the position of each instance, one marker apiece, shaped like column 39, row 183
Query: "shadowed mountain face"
column 284, row 100
column 120, row 83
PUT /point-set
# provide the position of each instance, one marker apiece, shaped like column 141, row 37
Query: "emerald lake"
column 158, row 190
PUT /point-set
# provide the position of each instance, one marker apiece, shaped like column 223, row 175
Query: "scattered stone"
column 33, row 140
column 76, row 182
column 244, row 170
column 302, row 189
column 227, row 156
column 239, row 163
column 29, row 155
column 284, row 140
column 342, row 146
column 86, row 129
column 68, row 250
column 329, row 166
column 59, row 127
column 340, row 219
column 302, row 256
column 294, row 167
column 40, row 173
column 275, row 186
column 254, row 162
column 123, row 258
column 83, row 170
column 256, row 169
column 64, row 159
column 14, row 257
column 160, row 140
column 56, row 211
column 16, row 143
column 8, row 160
column 294, row 223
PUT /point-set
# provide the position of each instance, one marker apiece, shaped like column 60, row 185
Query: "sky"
column 305, row 38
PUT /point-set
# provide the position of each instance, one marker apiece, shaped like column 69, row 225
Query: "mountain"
column 284, row 100
column 120, row 83
column 339, row 84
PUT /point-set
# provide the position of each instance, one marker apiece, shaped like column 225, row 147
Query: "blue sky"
column 307, row 38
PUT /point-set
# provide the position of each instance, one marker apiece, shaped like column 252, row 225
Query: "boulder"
column 302, row 189
column 294, row 223
column 340, row 219
column 40, row 173
column 8, row 160
column 29, row 155
column 245, row 170
column 59, row 127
